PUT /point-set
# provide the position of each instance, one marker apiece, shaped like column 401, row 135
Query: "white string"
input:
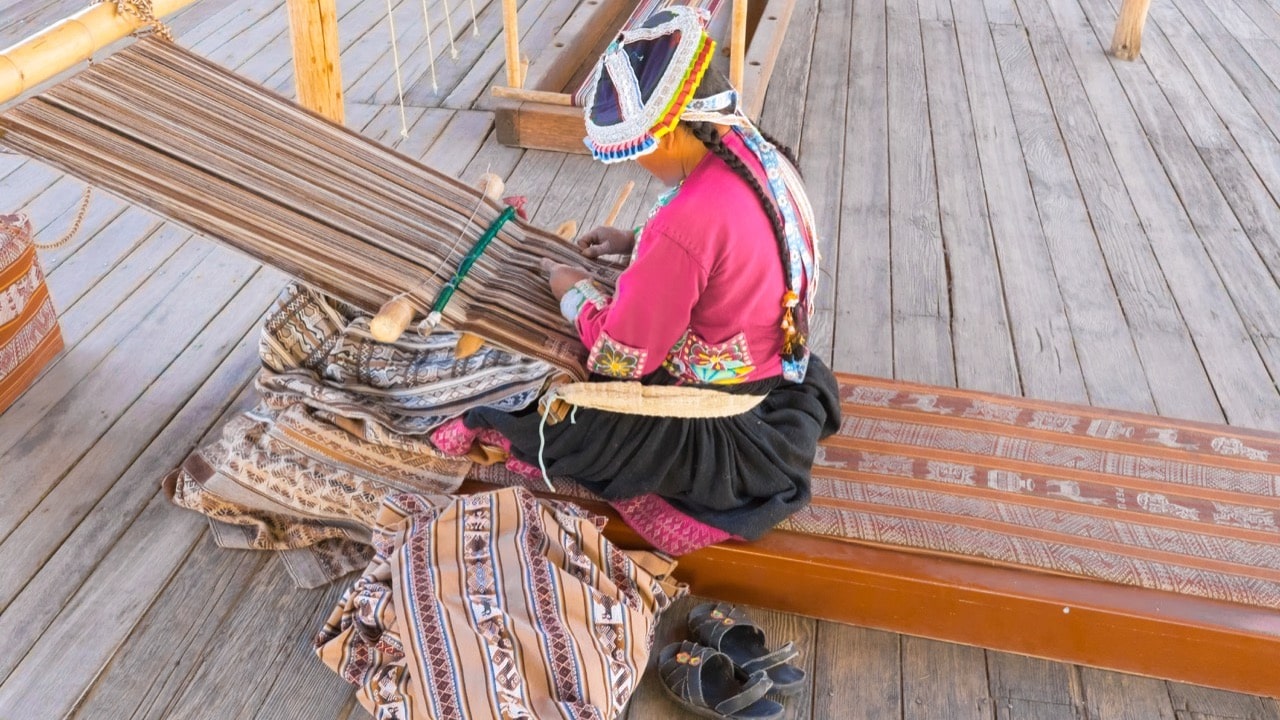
column 549, row 399
column 433, row 319
column 395, row 57
column 475, row 26
column 431, row 50
column 448, row 23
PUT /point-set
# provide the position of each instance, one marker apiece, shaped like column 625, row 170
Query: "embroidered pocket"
column 612, row 358
column 696, row 360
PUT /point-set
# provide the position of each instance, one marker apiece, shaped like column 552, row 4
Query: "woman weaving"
column 717, row 297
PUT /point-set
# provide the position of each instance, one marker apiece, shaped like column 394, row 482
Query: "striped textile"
column 1124, row 498
column 29, row 332
column 495, row 605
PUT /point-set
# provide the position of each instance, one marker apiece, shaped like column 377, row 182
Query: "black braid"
column 709, row 135
column 784, row 149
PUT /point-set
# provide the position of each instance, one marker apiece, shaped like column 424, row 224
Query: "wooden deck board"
column 1008, row 209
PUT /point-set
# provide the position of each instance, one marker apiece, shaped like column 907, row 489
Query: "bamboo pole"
column 738, row 45
column 317, row 68
column 511, row 33
column 1126, row 43
column 67, row 43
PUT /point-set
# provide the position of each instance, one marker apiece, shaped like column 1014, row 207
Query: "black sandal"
column 708, row 684
column 725, row 628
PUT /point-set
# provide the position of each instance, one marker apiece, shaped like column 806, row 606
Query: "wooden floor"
column 1007, row 209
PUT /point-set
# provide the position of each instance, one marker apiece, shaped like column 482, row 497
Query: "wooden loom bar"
column 317, row 67
column 1126, row 43
column 67, row 43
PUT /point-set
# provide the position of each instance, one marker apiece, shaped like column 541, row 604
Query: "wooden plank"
column 92, row 503
column 922, row 349
column 1115, row 696
column 91, row 349
column 123, row 373
column 783, row 113
column 1176, row 378
column 378, row 84
column 459, row 141
column 943, row 680
column 773, row 20
column 823, row 134
column 472, row 90
column 1264, row 14
column 1195, row 702
column 1047, row 363
column 1109, row 362
column 158, row 657
column 1232, row 308
column 261, row 632
column 857, row 673
column 863, row 324
column 82, row 315
column 980, row 334
column 103, row 209
column 1024, row 688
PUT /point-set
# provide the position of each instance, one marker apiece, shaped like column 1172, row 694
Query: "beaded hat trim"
column 621, row 124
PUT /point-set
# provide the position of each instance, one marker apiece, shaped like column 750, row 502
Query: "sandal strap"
column 781, row 656
column 716, row 625
column 685, row 678
column 758, row 685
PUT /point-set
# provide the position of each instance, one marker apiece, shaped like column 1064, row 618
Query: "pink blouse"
column 703, row 294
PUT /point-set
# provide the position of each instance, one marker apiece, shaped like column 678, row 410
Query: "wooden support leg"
column 738, row 45
column 317, row 68
column 1127, row 41
column 511, row 33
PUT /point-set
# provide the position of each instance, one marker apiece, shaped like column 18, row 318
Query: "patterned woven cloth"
column 29, row 333
column 1138, row 500
column 340, row 425
column 495, row 605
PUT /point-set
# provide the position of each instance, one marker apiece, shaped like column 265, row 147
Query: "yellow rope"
column 142, row 10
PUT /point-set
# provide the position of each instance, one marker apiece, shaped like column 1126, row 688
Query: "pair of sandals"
column 729, row 670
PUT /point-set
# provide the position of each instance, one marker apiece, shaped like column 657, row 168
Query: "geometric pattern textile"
column 29, row 332
column 495, row 605
column 1153, row 502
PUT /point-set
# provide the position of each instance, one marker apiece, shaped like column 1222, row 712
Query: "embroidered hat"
column 644, row 81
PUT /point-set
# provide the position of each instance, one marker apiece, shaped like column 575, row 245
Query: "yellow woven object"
column 632, row 398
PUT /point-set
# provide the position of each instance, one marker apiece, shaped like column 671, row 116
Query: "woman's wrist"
column 582, row 292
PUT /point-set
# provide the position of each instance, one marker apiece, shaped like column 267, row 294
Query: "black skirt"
column 742, row 474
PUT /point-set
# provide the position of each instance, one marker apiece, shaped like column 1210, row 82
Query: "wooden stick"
column 1126, row 43
column 317, row 67
column 67, row 43
column 511, row 33
column 738, row 45
column 622, row 200
column 538, row 96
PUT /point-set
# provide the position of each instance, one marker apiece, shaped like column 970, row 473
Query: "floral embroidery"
column 696, row 360
column 612, row 358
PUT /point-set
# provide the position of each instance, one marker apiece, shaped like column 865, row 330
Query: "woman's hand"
column 562, row 277
column 605, row 240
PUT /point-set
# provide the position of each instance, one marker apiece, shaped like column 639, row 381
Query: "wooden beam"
column 1127, row 41
column 317, row 68
column 67, row 43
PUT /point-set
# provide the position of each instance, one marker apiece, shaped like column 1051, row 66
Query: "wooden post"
column 511, row 33
column 738, row 45
column 1127, row 41
column 317, row 69
column 67, row 43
